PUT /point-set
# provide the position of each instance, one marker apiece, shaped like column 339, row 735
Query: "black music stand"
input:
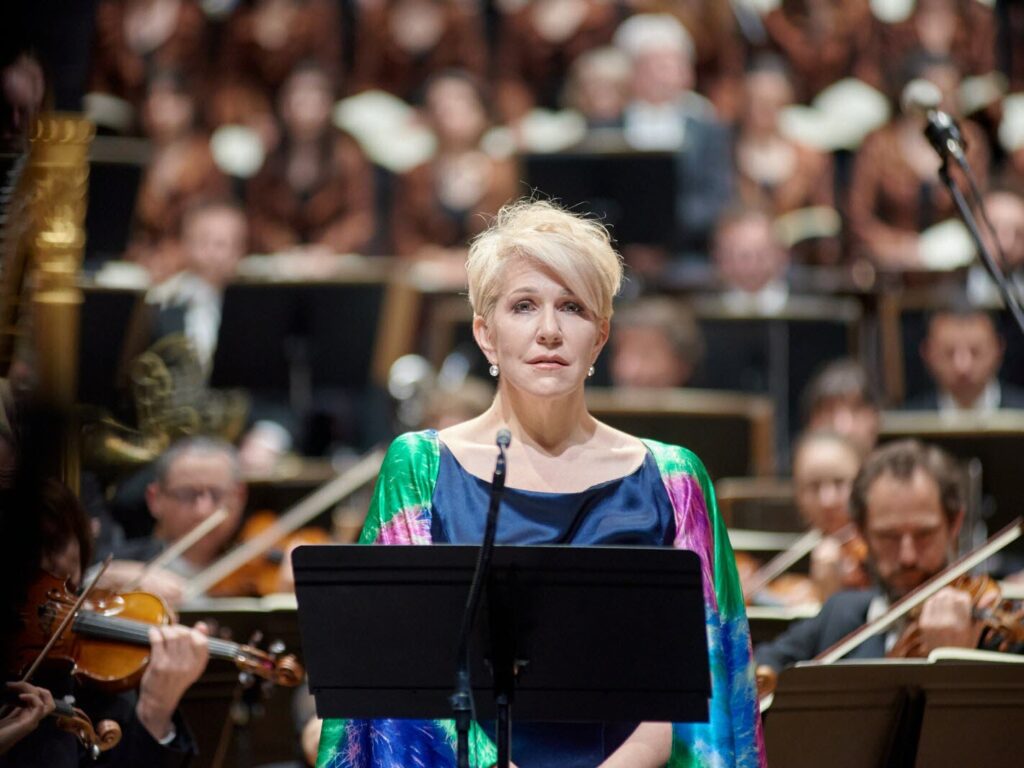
column 571, row 633
column 906, row 712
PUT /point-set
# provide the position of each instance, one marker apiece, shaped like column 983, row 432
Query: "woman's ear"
column 604, row 330
column 483, row 338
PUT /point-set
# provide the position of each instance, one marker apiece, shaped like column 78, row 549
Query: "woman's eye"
column 572, row 306
column 522, row 306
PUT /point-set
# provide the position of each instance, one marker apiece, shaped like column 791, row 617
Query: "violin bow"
column 345, row 484
column 179, row 547
column 782, row 562
column 919, row 595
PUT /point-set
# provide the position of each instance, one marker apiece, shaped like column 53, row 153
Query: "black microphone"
column 921, row 97
column 462, row 698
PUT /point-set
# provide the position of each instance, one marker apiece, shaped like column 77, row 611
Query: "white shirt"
column 202, row 303
column 987, row 402
column 767, row 302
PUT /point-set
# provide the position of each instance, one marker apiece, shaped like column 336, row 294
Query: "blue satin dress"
column 628, row 511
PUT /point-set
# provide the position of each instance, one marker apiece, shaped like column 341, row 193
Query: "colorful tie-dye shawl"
column 400, row 513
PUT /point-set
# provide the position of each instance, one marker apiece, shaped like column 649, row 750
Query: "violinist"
column 824, row 466
column 907, row 502
column 154, row 734
column 194, row 477
column 841, row 398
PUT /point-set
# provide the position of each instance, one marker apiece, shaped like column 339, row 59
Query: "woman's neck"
column 550, row 425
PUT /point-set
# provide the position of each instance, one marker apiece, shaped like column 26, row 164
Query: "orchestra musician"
column 908, row 503
column 824, row 466
column 153, row 732
column 541, row 287
column 193, row 478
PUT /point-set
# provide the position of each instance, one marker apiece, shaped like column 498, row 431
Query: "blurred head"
column 1006, row 211
column 541, row 283
column 824, row 466
column 656, row 342
column 65, row 532
column 215, row 238
column 169, row 109
column 598, row 85
column 747, row 251
column 454, row 105
column 907, row 501
column 661, row 51
column 767, row 89
column 194, row 478
column 963, row 352
column 305, row 102
column 840, row 398
column 938, row 70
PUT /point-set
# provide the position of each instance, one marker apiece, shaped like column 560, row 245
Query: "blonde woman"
column 541, row 282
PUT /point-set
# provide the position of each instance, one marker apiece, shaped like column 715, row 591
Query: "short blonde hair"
column 575, row 248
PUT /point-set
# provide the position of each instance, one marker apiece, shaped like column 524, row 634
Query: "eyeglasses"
column 188, row 495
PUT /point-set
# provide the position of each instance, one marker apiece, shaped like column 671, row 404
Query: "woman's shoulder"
column 411, row 444
column 675, row 459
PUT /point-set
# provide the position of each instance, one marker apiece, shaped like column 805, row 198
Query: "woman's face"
column 542, row 335
column 823, row 473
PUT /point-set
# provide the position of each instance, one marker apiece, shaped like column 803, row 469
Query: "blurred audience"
column 537, row 45
column 895, row 193
column 665, row 113
column 656, row 343
column 598, row 87
column 181, row 168
column 316, row 188
column 772, row 170
column 442, row 203
column 135, row 39
column 401, row 43
column 264, row 41
column 963, row 352
column 823, row 41
column 961, row 30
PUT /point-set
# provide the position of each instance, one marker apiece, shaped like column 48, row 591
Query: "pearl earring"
column 493, row 370
column 590, row 372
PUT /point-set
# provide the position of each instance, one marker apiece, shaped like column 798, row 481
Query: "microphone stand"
column 462, row 699
column 950, row 144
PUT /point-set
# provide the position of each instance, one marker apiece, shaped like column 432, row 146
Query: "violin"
column 771, row 582
column 106, row 641
column 73, row 720
column 997, row 624
column 262, row 575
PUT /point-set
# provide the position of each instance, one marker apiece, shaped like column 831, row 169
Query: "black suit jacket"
column 841, row 614
column 1011, row 396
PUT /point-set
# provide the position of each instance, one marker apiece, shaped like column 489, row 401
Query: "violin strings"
column 115, row 628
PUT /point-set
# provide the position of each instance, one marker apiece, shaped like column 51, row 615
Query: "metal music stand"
column 565, row 633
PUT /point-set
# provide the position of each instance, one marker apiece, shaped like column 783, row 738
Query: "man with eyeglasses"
column 193, row 478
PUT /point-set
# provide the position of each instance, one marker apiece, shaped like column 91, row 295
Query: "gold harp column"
column 59, row 167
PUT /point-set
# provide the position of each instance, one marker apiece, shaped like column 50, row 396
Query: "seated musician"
column 824, row 466
column 657, row 343
column 194, row 477
column 153, row 733
column 541, row 286
column 908, row 503
column 963, row 352
column 841, row 398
